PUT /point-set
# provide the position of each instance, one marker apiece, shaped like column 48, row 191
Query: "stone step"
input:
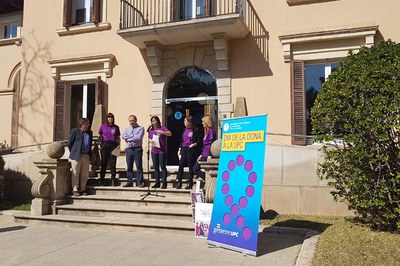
column 95, row 210
column 135, row 192
column 134, row 200
column 114, row 223
column 171, row 183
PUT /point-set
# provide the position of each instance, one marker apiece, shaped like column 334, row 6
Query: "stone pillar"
column 54, row 183
column 211, row 169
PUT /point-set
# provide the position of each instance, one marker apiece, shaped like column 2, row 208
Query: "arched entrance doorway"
column 192, row 91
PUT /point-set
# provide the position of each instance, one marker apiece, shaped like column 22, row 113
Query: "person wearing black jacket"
column 187, row 151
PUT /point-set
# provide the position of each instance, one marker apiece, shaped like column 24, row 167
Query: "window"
column 191, row 9
column 306, row 83
column 10, row 30
column 74, row 100
column 82, row 102
column 315, row 76
column 77, row 12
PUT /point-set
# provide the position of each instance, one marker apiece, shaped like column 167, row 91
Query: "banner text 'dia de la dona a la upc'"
column 237, row 198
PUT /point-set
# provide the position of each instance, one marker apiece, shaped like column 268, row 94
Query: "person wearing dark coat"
column 80, row 148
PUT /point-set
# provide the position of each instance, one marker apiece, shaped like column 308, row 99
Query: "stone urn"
column 211, row 169
column 216, row 148
column 55, row 150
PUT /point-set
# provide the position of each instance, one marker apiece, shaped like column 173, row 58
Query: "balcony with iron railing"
column 170, row 22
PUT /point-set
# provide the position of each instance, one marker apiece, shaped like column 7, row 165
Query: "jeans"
column 160, row 160
column 106, row 156
column 134, row 155
column 188, row 157
column 197, row 170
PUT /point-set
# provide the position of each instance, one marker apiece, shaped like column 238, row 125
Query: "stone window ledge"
column 90, row 27
column 11, row 41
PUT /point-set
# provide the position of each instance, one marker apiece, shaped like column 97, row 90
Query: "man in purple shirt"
column 133, row 136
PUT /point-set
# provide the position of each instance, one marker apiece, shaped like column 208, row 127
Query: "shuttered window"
column 72, row 14
column 298, row 103
column 59, row 104
column 67, row 17
column 101, row 88
column 15, row 110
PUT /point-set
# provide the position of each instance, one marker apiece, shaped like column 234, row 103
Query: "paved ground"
column 50, row 245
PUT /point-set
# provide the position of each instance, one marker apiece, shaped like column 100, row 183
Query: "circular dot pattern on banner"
column 225, row 189
column 248, row 166
column 227, row 218
column 243, row 202
column 236, row 206
column 250, row 191
column 225, row 176
column 234, row 210
column 240, row 221
column 246, row 233
column 252, row 177
column 228, row 200
column 240, row 160
column 231, row 165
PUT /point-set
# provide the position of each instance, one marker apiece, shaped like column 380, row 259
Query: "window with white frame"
column 78, row 12
column 82, row 102
column 82, row 11
column 10, row 30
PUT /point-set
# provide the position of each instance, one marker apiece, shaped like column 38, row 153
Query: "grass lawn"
column 15, row 206
column 345, row 242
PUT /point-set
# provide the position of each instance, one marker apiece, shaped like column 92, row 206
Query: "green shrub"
column 360, row 105
column 15, row 187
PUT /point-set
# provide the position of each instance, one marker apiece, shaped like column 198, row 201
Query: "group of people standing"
column 80, row 139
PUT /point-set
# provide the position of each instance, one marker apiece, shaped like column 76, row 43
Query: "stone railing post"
column 211, row 169
column 54, row 183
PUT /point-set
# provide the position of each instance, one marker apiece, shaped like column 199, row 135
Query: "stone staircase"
column 131, row 209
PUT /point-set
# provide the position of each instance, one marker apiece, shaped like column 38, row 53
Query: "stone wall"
column 291, row 184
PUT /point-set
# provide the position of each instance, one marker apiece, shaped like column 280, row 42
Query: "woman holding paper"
column 158, row 138
column 109, row 141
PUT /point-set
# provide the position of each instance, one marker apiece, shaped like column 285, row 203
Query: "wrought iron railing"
column 140, row 13
column 137, row 13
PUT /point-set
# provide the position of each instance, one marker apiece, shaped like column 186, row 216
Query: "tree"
column 357, row 116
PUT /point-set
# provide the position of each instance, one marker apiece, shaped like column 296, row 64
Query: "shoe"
column 101, row 182
column 179, row 186
column 113, row 182
column 164, row 186
column 76, row 194
column 198, row 179
column 84, row 193
column 140, row 184
column 156, row 185
column 128, row 185
column 188, row 187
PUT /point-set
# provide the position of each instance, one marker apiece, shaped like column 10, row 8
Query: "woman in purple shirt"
column 109, row 139
column 158, row 138
column 187, row 151
column 209, row 138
